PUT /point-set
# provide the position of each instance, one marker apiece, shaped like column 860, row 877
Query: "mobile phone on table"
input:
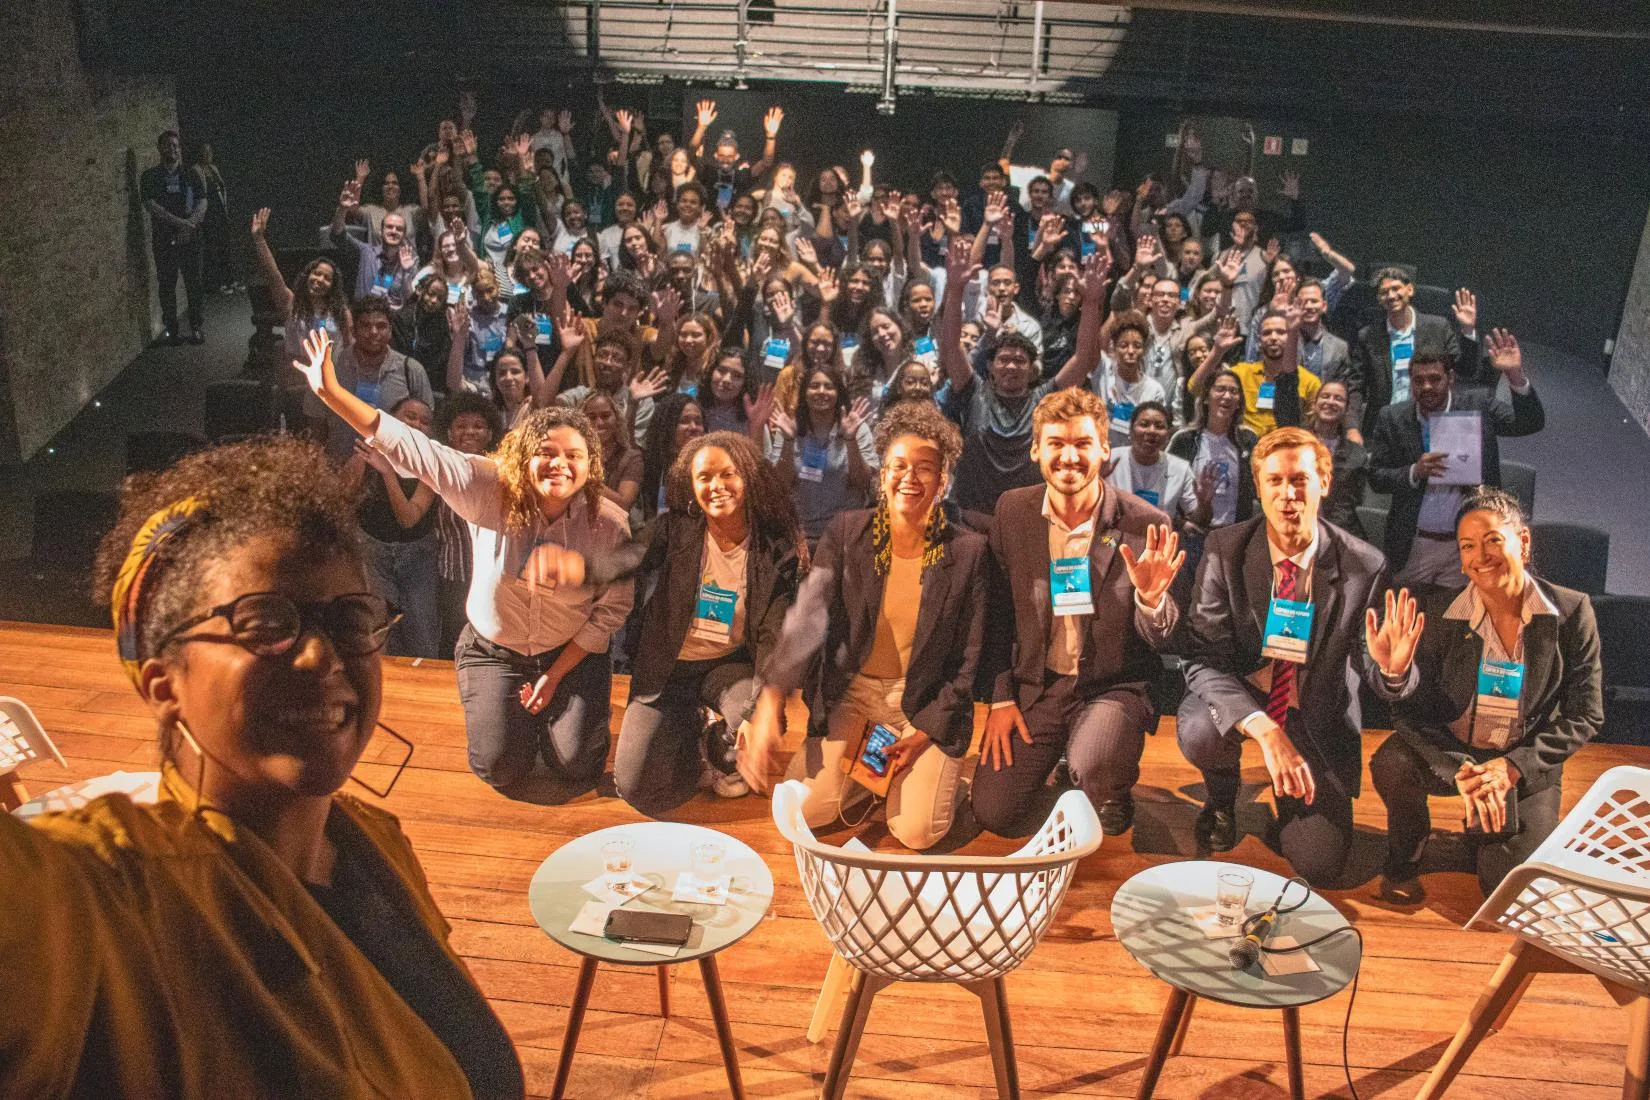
column 646, row 926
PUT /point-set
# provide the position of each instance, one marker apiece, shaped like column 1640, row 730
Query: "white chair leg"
column 830, row 994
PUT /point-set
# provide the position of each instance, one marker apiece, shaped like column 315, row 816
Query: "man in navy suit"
column 1262, row 587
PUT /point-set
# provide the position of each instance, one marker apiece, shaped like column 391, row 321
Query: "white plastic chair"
column 923, row 918
column 22, row 740
column 140, row 787
column 1579, row 904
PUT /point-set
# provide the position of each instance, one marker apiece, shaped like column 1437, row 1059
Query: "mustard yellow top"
column 896, row 621
column 149, row 952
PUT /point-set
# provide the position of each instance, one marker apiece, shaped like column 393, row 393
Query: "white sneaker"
column 732, row 785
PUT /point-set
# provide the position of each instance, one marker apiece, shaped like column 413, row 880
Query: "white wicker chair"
column 922, row 918
column 1579, row 904
column 22, row 740
column 140, row 787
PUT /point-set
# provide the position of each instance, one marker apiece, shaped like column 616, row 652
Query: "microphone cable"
column 1346, row 1024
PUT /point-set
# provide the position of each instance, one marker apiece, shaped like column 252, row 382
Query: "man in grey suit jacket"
column 1284, row 624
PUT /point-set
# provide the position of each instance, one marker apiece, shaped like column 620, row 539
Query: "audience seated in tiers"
column 658, row 362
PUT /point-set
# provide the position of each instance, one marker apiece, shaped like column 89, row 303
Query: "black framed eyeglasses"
column 269, row 624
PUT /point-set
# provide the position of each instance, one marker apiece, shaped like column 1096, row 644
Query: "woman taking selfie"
column 254, row 932
column 885, row 633
column 533, row 671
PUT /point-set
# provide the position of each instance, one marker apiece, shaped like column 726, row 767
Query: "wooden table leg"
column 1185, row 1025
column 1635, row 1082
column 1167, row 1025
column 664, row 992
column 575, row 1020
column 1292, row 1052
column 724, row 1031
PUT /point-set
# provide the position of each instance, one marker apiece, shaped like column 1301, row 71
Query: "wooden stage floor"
column 1084, row 1013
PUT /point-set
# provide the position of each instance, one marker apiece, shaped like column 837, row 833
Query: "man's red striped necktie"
column 1283, row 672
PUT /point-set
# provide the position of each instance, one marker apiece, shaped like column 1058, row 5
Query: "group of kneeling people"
column 1054, row 608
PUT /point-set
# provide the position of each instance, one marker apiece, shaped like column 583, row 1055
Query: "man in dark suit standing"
column 1283, row 625
column 1420, row 525
column 1379, row 371
column 1082, row 571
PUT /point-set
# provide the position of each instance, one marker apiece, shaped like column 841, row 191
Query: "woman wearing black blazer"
column 722, row 563
column 894, row 611
column 1502, row 751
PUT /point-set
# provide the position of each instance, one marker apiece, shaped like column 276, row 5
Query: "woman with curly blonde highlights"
column 533, row 671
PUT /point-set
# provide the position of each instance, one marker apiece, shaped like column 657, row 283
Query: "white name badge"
column 713, row 614
column 812, row 467
column 1069, row 583
column 776, row 353
column 1288, row 630
column 1495, row 718
column 1268, row 395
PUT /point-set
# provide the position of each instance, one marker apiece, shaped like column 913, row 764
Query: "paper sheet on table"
column 1292, row 962
column 1460, row 435
column 1208, row 922
column 690, row 889
column 633, row 887
column 592, row 921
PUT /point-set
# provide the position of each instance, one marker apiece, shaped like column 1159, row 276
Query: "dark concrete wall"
column 76, row 290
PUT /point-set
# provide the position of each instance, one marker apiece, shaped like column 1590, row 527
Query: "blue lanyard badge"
column 713, row 614
column 1069, row 582
column 1288, row 629
column 1402, row 352
column 724, row 195
column 776, row 352
column 1267, row 397
column 685, row 246
column 546, row 327
column 382, row 284
column 925, row 351
column 505, row 233
column 1121, row 413
column 814, row 455
column 1223, row 478
column 455, row 291
column 491, row 341
column 849, row 341
column 367, row 390
column 1500, row 683
column 1150, row 496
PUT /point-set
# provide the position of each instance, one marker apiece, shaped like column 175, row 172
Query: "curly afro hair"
column 272, row 486
column 925, row 421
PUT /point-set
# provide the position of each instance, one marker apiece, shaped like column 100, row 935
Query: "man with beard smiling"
column 1274, row 653
column 1083, row 571
column 995, row 412
column 386, row 269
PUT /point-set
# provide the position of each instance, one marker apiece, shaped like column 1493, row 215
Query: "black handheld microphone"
column 1246, row 951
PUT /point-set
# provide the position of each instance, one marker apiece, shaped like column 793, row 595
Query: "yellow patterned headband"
column 127, row 593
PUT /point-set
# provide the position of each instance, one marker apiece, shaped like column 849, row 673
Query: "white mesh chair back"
column 22, row 739
column 1584, row 895
column 924, row 918
column 140, row 787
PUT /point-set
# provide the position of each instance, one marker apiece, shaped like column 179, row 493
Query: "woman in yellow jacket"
column 254, row 933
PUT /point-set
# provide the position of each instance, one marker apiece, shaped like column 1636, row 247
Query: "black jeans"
column 1315, row 839
column 1102, row 738
column 1403, row 780
column 571, row 734
column 171, row 261
column 656, row 765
